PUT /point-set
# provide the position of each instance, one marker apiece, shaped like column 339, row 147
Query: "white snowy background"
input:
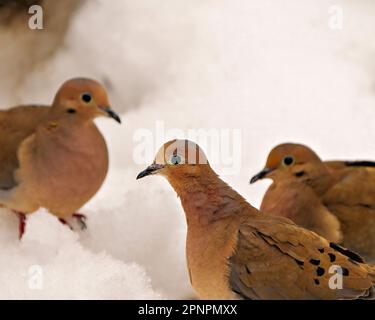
column 274, row 69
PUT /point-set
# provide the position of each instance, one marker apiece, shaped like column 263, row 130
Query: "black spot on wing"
column 315, row 262
column 317, row 282
column 360, row 164
column 350, row 254
column 345, row 271
column 320, row 271
column 300, row 263
column 332, row 257
column 321, row 250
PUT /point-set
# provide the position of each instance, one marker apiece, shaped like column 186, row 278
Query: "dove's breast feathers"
column 77, row 167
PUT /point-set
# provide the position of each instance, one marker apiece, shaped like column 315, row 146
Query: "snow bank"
column 50, row 263
column 274, row 70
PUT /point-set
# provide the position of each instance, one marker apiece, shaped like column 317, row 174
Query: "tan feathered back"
column 16, row 124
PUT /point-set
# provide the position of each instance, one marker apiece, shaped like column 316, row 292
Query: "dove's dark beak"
column 110, row 113
column 152, row 169
column 260, row 175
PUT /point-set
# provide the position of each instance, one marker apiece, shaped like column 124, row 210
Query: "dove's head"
column 82, row 98
column 289, row 160
column 178, row 158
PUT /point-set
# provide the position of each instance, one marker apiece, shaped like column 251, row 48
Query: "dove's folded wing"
column 16, row 124
column 275, row 259
column 352, row 200
column 355, row 183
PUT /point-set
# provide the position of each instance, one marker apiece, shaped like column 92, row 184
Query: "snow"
column 273, row 70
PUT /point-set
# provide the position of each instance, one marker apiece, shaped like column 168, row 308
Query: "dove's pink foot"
column 65, row 223
column 81, row 218
column 22, row 224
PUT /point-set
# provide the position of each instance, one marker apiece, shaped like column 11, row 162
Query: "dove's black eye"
column 176, row 159
column 288, row 160
column 86, row 97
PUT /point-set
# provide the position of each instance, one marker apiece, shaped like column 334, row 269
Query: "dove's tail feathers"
column 369, row 295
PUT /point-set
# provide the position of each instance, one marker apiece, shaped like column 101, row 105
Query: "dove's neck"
column 321, row 180
column 320, row 183
column 206, row 198
column 315, row 175
column 213, row 212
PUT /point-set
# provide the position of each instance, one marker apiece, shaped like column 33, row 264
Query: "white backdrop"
column 274, row 69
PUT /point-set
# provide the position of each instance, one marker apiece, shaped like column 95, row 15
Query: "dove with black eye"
column 288, row 160
column 86, row 97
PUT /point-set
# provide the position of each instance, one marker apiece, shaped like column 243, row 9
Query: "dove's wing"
column 352, row 200
column 16, row 124
column 276, row 259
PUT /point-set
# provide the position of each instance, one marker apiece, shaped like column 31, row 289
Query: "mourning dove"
column 54, row 157
column 234, row 251
column 336, row 199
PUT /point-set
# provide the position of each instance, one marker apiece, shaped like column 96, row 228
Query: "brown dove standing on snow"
column 336, row 199
column 54, row 157
column 235, row 251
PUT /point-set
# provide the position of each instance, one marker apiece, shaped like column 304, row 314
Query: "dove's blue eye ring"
column 176, row 159
column 288, row 160
column 86, row 97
